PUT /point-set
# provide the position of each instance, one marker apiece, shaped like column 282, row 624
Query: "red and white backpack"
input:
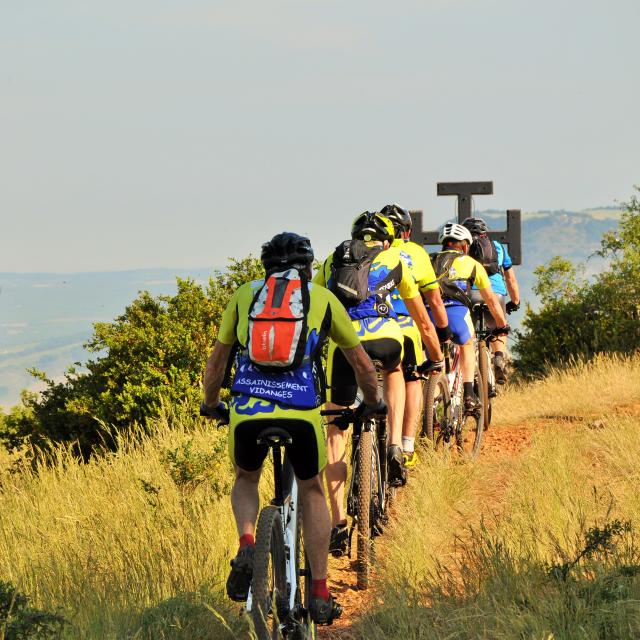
column 277, row 335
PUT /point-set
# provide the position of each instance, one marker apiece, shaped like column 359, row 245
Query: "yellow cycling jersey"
column 419, row 264
column 326, row 317
column 385, row 263
column 462, row 268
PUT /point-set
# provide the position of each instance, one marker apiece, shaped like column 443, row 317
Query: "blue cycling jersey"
column 504, row 262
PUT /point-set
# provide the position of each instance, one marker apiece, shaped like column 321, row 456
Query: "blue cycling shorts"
column 460, row 322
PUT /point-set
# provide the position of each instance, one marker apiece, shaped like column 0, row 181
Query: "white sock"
column 408, row 444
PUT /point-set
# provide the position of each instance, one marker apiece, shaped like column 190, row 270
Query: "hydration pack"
column 484, row 251
column 277, row 335
column 350, row 271
column 449, row 287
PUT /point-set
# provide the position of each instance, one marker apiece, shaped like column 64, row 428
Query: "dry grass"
column 609, row 382
column 470, row 554
column 106, row 542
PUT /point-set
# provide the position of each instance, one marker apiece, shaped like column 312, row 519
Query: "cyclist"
column 417, row 260
column 457, row 272
column 258, row 400
column 378, row 270
column 503, row 280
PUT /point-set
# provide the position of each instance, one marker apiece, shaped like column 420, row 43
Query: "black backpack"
column 350, row 271
column 484, row 251
column 449, row 288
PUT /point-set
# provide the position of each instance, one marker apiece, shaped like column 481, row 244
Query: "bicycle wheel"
column 484, row 362
column 269, row 584
column 363, row 505
column 305, row 628
column 470, row 428
column 437, row 407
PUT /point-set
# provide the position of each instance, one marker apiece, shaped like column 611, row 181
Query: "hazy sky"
column 157, row 133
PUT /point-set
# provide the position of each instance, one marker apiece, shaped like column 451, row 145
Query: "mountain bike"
column 484, row 360
column 444, row 421
column 278, row 599
column 369, row 493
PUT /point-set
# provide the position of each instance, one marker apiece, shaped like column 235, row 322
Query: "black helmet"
column 400, row 217
column 286, row 249
column 475, row 225
column 371, row 225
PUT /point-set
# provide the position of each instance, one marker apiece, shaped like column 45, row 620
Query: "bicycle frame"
column 286, row 499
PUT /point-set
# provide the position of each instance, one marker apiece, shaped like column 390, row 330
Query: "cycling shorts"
column 413, row 352
column 460, row 322
column 489, row 322
column 307, row 451
column 381, row 338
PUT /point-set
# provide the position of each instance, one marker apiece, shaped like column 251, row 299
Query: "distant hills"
column 45, row 318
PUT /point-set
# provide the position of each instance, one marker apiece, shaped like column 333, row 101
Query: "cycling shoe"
column 239, row 579
column 324, row 611
column 396, row 471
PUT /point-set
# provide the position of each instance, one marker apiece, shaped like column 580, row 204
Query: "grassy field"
column 136, row 543
column 539, row 545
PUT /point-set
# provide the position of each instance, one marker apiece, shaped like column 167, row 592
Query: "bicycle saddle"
column 273, row 436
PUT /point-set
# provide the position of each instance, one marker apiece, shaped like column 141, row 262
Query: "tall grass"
column 500, row 549
column 133, row 544
column 603, row 384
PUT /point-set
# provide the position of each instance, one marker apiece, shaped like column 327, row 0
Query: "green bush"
column 579, row 319
column 19, row 621
column 153, row 355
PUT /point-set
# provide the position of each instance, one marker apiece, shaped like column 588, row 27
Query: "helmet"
column 286, row 249
column 400, row 218
column 453, row 231
column 371, row 225
column 475, row 225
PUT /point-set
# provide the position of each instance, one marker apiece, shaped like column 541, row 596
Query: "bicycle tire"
column 469, row 436
column 436, row 407
column 363, row 505
column 484, row 362
column 269, row 584
column 307, row 629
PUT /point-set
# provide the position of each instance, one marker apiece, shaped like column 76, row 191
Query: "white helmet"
column 454, row 231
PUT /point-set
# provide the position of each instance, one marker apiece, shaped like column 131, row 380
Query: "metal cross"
column 511, row 236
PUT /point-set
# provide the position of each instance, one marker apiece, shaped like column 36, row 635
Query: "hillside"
column 136, row 544
column 45, row 318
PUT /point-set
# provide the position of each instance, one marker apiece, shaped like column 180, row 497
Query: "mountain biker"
column 297, row 410
column 373, row 318
column 417, row 260
column 457, row 272
column 503, row 281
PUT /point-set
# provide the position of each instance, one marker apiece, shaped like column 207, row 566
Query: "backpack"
column 449, row 287
column 484, row 251
column 277, row 335
column 350, row 271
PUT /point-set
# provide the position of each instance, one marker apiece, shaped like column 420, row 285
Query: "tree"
column 152, row 355
column 579, row 319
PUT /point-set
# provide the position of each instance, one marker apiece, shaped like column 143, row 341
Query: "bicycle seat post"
column 277, row 474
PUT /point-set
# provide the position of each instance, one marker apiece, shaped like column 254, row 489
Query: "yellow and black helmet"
column 399, row 216
column 371, row 225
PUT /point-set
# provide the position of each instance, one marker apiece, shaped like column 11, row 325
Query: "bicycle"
column 369, row 493
column 277, row 601
column 484, row 360
column 444, row 422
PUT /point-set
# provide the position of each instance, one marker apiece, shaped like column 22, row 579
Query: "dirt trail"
column 498, row 442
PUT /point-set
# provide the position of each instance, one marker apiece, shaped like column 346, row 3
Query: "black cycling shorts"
column 307, row 451
column 342, row 379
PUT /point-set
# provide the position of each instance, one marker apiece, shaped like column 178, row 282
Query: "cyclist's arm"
column 417, row 311
column 434, row 300
column 493, row 305
column 512, row 285
column 214, row 373
column 365, row 372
